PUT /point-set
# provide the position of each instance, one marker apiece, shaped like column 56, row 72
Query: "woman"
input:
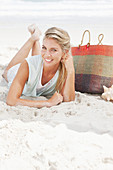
column 48, row 72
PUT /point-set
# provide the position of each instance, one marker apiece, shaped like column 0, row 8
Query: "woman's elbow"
column 69, row 98
column 73, row 98
column 10, row 102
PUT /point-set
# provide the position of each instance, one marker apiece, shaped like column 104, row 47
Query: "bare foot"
column 35, row 32
column 31, row 28
column 4, row 75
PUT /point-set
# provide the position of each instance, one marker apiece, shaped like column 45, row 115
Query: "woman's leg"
column 36, row 49
column 23, row 52
column 19, row 57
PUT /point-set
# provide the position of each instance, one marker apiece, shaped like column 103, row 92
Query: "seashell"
column 108, row 93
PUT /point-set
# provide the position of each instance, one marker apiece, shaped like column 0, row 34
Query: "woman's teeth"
column 48, row 60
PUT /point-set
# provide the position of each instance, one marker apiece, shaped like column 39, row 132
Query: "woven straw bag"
column 93, row 66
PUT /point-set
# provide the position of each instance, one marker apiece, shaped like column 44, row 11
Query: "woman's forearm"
column 69, row 88
column 30, row 103
column 54, row 100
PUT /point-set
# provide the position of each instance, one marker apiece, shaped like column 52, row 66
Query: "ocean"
column 56, row 8
column 73, row 15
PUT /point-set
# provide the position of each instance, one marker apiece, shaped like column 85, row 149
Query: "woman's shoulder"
column 34, row 58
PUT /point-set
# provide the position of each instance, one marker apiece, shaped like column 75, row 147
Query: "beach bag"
column 93, row 66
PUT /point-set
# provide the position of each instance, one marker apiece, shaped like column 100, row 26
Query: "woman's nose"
column 48, row 53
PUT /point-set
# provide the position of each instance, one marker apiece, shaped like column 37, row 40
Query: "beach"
column 69, row 136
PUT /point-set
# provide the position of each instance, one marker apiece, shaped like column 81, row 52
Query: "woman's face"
column 51, row 52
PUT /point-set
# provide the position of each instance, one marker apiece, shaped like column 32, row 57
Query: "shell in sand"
column 108, row 93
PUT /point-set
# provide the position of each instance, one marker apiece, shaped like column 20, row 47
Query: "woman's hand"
column 68, row 62
column 55, row 99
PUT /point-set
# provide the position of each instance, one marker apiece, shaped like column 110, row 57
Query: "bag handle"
column 100, row 40
column 88, row 44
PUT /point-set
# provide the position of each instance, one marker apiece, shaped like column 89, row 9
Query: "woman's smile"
column 48, row 60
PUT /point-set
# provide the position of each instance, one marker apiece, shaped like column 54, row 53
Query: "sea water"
column 73, row 15
column 57, row 8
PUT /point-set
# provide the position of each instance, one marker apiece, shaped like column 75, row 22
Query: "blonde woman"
column 48, row 72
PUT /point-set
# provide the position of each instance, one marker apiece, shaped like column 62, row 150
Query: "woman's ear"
column 65, row 54
column 66, row 51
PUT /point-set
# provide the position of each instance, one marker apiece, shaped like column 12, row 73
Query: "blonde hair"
column 63, row 39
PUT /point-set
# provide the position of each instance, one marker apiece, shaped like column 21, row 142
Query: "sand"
column 72, row 135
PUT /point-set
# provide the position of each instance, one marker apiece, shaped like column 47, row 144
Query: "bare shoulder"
column 23, row 73
column 18, row 83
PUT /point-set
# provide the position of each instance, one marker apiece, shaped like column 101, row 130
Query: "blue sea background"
column 75, row 16
column 57, row 9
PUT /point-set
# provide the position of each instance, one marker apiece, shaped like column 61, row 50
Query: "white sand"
column 34, row 145
column 74, row 135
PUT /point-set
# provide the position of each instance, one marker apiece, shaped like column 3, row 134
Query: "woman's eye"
column 53, row 49
column 44, row 48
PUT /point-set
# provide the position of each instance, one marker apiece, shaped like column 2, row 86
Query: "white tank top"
column 41, row 87
column 33, row 86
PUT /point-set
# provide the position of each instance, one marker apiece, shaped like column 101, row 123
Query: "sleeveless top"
column 33, row 86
